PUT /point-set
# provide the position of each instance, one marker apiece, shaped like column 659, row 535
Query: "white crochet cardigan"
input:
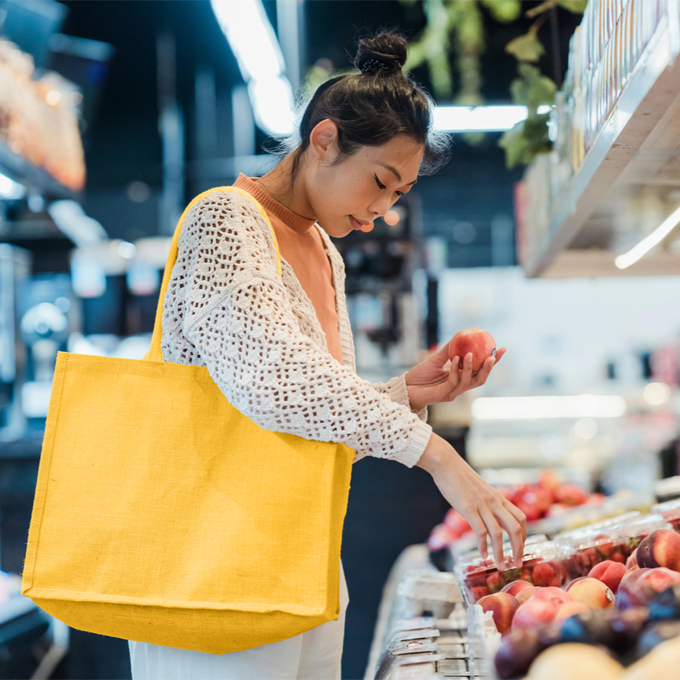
column 257, row 333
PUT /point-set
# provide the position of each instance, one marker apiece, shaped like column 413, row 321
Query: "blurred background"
column 113, row 116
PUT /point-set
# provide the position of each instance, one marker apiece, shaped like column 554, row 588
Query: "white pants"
column 314, row 655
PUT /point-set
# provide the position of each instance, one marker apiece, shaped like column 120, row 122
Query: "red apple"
column 609, row 572
column 503, row 607
column 474, row 340
column 570, row 494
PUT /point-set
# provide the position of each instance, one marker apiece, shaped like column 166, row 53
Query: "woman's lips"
column 359, row 226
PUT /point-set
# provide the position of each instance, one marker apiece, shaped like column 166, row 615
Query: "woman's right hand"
column 485, row 508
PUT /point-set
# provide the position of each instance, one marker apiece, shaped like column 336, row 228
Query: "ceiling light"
column 527, row 408
column 481, row 118
column 634, row 254
column 656, row 393
column 257, row 51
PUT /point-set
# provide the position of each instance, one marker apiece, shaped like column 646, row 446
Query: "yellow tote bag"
column 162, row 514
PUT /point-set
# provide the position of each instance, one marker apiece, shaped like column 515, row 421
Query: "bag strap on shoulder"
column 154, row 353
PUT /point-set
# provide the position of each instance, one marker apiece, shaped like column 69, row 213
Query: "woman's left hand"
column 438, row 379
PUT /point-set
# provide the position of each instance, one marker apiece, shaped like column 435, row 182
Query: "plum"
column 666, row 605
column 591, row 628
column 656, row 633
column 516, row 653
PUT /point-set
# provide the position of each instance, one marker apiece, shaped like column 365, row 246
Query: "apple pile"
column 630, row 611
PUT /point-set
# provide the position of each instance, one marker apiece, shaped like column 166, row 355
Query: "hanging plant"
column 457, row 27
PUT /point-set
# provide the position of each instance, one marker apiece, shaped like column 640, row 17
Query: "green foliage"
column 503, row 10
column 531, row 88
column 526, row 140
column 573, row 6
column 526, row 47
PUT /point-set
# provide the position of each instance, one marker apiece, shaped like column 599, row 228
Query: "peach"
column 515, row 587
column 534, row 612
column 630, row 593
column 552, row 593
column 591, row 592
column 549, row 574
column 523, row 595
column 660, row 549
column 475, row 340
column 632, row 560
column 609, row 572
column 572, row 608
column 503, row 608
column 660, row 578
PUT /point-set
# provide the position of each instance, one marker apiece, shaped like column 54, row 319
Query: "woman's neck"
column 277, row 184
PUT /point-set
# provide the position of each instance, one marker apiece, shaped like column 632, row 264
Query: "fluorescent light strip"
column 634, row 254
column 481, row 118
column 529, row 408
column 257, row 51
column 260, row 60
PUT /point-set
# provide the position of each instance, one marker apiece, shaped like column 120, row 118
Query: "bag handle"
column 155, row 353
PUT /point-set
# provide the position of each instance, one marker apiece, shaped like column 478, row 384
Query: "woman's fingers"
column 484, row 372
column 478, row 526
column 514, row 529
column 495, row 533
column 500, row 353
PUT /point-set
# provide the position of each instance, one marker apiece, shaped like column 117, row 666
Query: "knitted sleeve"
column 397, row 391
column 237, row 315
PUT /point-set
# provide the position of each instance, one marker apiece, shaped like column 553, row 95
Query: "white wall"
column 567, row 329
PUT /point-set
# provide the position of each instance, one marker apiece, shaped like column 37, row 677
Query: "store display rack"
column 16, row 167
column 627, row 149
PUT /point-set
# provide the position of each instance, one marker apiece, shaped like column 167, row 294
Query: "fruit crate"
column 541, row 566
column 582, row 550
column 670, row 511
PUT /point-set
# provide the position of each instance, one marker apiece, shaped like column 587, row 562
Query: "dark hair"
column 372, row 107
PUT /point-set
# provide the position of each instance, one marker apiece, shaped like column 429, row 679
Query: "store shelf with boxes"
column 603, row 201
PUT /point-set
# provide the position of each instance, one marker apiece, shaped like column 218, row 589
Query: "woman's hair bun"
column 383, row 52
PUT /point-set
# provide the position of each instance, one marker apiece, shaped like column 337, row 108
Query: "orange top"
column 303, row 249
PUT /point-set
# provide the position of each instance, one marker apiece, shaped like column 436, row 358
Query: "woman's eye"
column 380, row 184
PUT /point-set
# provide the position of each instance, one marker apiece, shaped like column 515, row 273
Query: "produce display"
column 614, row 622
column 584, row 549
column 670, row 511
column 541, row 567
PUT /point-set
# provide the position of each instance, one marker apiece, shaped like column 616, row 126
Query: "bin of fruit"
column 582, row 550
column 541, row 567
column 670, row 511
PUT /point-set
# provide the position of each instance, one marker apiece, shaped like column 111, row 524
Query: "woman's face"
column 363, row 186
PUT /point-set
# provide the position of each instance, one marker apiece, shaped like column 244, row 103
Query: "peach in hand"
column 660, row 549
column 503, row 607
column 609, row 572
column 592, row 593
column 474, row 340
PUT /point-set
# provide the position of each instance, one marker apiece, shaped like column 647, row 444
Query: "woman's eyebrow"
column 397, row 175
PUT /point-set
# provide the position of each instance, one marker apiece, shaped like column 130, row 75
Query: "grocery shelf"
column 644, row 113
column 16, row 167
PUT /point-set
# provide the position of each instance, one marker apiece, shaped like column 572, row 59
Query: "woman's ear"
column 323, row 140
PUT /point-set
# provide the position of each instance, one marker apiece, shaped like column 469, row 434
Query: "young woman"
column 363, row 141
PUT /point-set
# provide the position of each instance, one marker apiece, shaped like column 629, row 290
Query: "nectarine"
column 660, row 549
column 503, row 608
column 475, row 340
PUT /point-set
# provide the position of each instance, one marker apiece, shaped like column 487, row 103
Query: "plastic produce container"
column 541, row 566
column 670, row 511
column 582, row 550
